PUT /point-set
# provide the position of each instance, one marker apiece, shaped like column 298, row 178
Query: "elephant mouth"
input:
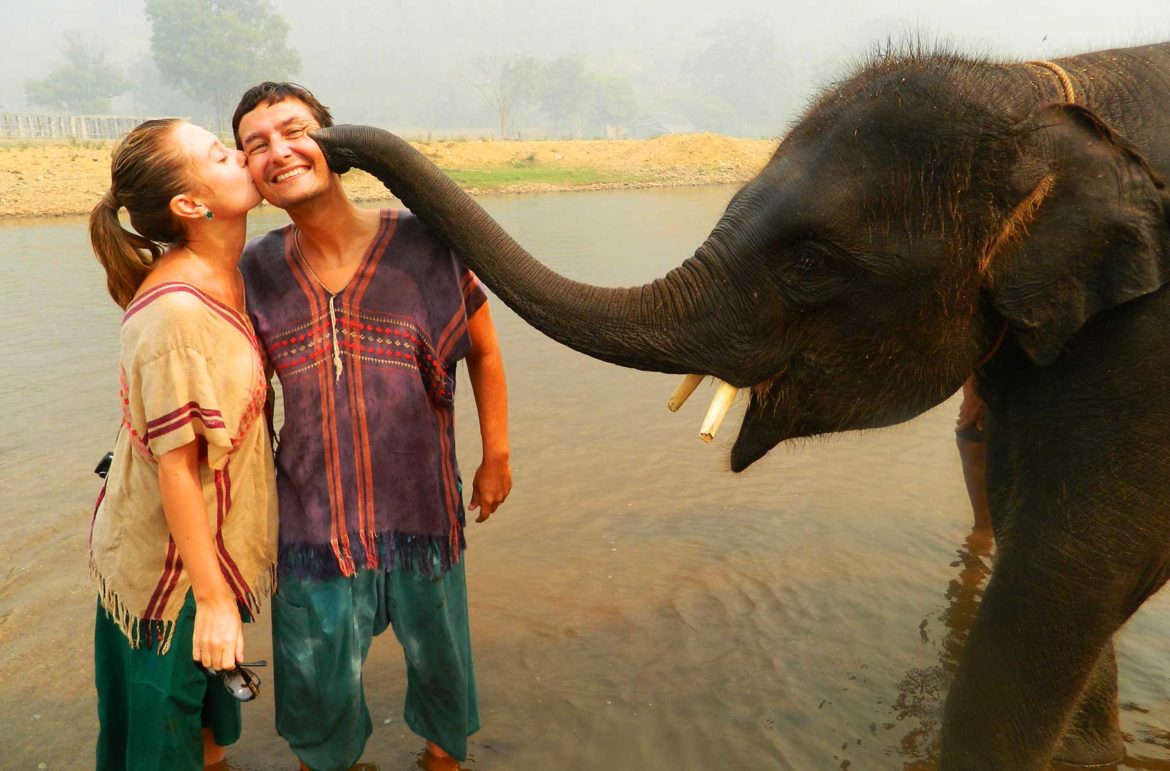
column 759, row 431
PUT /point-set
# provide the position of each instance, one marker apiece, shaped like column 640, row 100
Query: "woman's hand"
column 218, row 640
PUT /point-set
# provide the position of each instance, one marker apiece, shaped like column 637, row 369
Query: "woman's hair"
column 148, row 170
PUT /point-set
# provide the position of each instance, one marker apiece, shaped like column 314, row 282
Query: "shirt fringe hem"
column 426, row 555
column 160, row 632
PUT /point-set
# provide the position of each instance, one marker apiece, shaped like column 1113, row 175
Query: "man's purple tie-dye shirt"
column 366, row 470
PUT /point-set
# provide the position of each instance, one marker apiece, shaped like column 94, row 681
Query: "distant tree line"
column 209, row 51
column 204, row 53
column 84, row 83
column 575, row 101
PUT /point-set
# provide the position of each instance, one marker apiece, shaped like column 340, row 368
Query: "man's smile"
column 282, row 176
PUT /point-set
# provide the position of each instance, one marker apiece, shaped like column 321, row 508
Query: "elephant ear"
column 1091, row 231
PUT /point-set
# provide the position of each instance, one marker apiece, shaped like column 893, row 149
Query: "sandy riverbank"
column 43, row 179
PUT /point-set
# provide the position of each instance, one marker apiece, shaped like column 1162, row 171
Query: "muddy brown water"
column 633, row 604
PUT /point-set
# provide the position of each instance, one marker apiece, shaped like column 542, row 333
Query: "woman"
column 184, row 534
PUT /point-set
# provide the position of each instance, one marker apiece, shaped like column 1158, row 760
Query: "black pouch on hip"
column 103, row 466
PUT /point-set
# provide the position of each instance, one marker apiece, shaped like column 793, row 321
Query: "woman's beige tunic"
column 190, row 368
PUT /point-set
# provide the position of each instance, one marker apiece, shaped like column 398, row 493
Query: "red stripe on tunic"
column 340, row 530
column 166, row 595
column 315, row 294
column 467, row 284
column 147, row 297
column 207, row 423
column 185, row 408
column 223, row 504
column 229, row 314
column 447, row 338
column 361, row 458
column 450, row 488
column 170, row 574
column 363, row 463
column 93, row 519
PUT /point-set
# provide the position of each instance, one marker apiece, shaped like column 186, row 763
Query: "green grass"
column 523, row 173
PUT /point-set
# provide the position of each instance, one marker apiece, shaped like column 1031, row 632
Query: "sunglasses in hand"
column 242, row 683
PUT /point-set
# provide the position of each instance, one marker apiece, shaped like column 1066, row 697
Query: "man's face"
column 287, row 166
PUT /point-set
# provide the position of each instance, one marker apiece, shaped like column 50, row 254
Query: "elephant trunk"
column 669, row 325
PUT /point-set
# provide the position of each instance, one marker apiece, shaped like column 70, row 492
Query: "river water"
column 633, row 604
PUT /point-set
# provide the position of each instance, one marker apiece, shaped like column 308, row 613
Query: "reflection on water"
column 633, row 605
column 919, row 703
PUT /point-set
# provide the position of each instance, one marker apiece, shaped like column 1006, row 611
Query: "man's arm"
column 485, row 367
column 973, row 452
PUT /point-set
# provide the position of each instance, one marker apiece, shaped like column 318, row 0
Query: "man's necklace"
column 337, row 364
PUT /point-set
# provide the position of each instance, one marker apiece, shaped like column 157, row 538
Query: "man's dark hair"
column 270, row 93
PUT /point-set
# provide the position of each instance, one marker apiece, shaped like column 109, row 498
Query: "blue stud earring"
column 207, row 214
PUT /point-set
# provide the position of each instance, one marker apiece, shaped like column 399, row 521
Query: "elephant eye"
column 812, row 275
column 808, row 260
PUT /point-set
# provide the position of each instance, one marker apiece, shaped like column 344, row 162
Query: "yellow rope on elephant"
column 1070, row 95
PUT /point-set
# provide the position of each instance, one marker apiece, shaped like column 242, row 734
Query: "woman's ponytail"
column 127, row 257
column 148, row 170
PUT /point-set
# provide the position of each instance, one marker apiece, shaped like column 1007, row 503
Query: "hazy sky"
column 372, row 59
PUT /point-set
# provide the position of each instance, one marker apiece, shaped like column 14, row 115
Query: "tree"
column 153, row 97
column 212, row 50
column 507, row 82
column 562, row 91
column 738, row 79
column 84, row 84
column 612, row 101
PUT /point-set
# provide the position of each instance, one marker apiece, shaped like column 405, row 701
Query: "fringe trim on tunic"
column 423, row 554
column 264, row 585
column 159, row 633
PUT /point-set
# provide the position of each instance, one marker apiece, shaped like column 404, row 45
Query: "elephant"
column 929, row 218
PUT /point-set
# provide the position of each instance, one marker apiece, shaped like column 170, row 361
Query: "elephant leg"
column 1035, row 643
column 1092, row 736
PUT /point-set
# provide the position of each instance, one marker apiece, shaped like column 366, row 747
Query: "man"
column 363, row 316
column 972, row 444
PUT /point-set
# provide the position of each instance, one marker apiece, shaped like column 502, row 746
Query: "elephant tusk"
column 683, row 392
column 718, row 410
